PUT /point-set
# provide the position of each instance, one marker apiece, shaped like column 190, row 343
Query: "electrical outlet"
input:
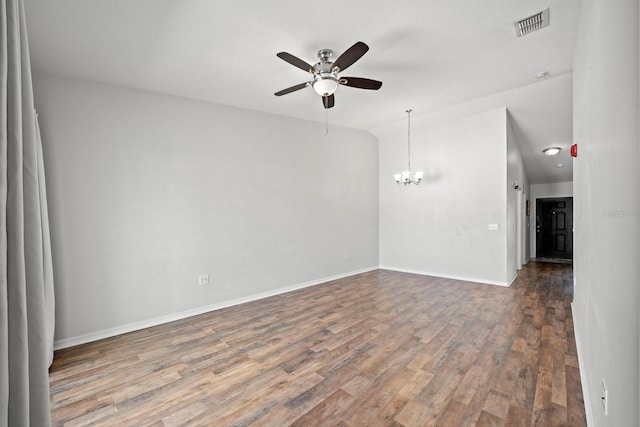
column 203, row 279
column 604, row 398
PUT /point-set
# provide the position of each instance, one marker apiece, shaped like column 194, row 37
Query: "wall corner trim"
column 582, row 368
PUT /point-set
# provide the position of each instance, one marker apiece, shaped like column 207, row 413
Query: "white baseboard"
column 448, row 276
column 583, row 376
column 118, row 330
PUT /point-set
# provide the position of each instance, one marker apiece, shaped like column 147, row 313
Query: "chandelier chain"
column 409, row 140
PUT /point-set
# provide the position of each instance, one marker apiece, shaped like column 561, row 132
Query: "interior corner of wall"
column 583, row 367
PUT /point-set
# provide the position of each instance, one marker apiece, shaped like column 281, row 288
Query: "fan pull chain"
column 326, row 122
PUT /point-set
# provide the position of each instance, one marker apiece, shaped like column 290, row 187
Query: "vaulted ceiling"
column 431, row 55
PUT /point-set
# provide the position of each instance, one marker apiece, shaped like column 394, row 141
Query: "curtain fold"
column 26, row 281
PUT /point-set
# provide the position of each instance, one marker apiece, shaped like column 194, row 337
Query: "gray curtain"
column 26, row 279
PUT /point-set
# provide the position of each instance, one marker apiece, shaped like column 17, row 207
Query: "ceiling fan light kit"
column 325, row 86
column 325, row 73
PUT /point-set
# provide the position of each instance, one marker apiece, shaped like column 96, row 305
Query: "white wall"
column 544, row 191
column 516, row 212
column 148, row 191
column 607, row 208
column 440, row 227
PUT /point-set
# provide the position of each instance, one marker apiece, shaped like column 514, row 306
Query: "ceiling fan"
column 325, row 73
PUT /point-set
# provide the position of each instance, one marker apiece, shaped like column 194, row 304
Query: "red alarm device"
column 574, row 150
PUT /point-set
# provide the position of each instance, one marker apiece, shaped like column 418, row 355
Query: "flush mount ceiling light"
column 560, row 165
column 551, row 151
column 541, row 75
column 405, row 178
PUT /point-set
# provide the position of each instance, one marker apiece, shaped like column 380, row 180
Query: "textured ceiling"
column 430, row 55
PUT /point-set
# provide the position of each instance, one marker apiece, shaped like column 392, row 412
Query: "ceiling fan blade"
column 350, row 56
column 361, row 83
column 328, row 101
column 291, row 89
column 295, row 61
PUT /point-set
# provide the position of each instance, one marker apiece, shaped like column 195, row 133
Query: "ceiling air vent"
column 532, row 23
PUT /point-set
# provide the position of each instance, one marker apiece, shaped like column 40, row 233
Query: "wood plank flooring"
column 377, row 349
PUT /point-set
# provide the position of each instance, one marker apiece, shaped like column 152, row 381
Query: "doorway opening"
column 554, row 229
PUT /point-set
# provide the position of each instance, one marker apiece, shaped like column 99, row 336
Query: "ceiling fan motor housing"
column 325, row 80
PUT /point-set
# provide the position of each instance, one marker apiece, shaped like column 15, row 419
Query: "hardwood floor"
column 380, row 348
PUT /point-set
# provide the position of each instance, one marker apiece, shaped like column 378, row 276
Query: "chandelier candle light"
column 405, row 177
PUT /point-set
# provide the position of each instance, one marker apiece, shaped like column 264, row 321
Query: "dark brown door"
column 554, row 225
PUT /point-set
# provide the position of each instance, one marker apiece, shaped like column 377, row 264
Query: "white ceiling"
column 429, row 54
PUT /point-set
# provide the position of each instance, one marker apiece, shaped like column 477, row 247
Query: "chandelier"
column 405, row 178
